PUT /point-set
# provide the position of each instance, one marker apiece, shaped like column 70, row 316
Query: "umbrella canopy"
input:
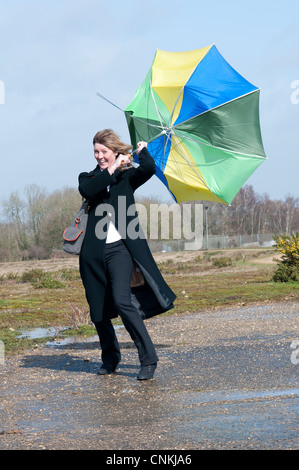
column 201, row 121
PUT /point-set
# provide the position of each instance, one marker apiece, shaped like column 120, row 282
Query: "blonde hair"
column 112, row 141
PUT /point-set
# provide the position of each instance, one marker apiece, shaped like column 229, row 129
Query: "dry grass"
column 201, row 280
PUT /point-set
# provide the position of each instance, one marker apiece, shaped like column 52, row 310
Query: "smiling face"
column 104, row 156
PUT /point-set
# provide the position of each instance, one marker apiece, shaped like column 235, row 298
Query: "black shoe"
column 147, row 372
column 106, row 369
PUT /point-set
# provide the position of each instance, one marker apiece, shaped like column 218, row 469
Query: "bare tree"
column 15, row 211
column 290, row 207
column 35, row 223
column 61, row 208
column 36, row 209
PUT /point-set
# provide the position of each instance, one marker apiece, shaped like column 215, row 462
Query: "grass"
column 203, row 281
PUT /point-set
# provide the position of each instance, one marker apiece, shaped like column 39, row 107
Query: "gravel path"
column 226, row 379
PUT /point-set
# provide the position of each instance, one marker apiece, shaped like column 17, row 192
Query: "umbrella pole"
column 151, row 140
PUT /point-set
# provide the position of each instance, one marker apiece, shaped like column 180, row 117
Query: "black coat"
column 155, row 296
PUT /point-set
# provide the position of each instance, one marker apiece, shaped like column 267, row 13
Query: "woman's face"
column 104, row 156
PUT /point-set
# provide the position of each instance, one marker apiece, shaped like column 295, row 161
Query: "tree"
column 15, row 210
column 36, row 209
column 61, row 208
column 36, row 221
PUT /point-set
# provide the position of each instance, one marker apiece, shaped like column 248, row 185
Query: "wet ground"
column 226, row 379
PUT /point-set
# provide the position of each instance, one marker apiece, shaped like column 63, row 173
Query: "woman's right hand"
column 119, row 161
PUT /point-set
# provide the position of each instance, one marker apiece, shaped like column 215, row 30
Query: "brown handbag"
column 137, row 276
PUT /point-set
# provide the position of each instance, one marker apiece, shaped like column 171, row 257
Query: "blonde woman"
column 110, row 252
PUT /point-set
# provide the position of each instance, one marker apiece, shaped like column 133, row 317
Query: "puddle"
column 220, row 396
column 36, row 333
column 71, row 340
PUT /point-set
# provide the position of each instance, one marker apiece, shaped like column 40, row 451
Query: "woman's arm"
column 144, row 171
column 91, row 184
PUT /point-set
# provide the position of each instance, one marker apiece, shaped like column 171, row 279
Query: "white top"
column 113, row 234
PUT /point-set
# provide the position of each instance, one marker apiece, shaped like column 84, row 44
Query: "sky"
column 55, row 55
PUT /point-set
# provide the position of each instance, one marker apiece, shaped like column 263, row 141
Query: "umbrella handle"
column 125, row 166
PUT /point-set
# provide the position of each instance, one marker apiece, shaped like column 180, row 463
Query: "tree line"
column 34, row 222
column 251, row 213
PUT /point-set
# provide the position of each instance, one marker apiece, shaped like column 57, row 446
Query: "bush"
column 41, row 279
column 222, row 262
column 286, row 273
column 288, row 266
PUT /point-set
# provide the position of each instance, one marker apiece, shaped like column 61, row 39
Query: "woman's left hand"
column 141, row 145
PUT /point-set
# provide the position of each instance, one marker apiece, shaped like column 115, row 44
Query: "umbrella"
column 201, row 121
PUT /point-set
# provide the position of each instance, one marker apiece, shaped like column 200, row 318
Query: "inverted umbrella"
column 201, row 121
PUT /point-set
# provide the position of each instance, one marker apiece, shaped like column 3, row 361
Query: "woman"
column 109, row 252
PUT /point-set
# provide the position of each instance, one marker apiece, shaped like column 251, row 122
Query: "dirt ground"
column 18, row 267
column 55, row 264
column 226, row 379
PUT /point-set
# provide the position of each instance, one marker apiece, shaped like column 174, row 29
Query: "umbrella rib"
column 187, row 79
column 108, row 101
column 133, row 117
column 216, row 107
column 193, row 167
column 167, row 137
column 176, row 102
column 157, row 110
column 143, row 121
column 178, row 146
column 182, row 134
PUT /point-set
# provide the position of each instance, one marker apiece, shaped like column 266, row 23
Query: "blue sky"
column 56, row 55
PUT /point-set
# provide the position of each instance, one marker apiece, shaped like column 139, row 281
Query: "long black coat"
column 155, row 296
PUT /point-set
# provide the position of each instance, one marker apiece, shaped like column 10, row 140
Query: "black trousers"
column 119, row 268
